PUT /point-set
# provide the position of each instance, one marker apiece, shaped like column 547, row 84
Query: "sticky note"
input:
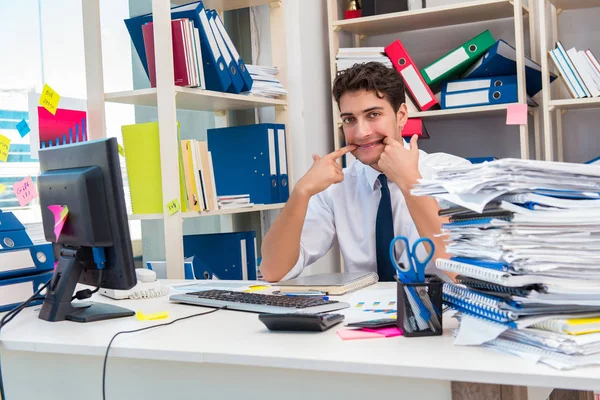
column 60, row 216
column 25, row 191
column 49, row 99
column 121, row 150
column 23, row 128
column 150, row 317
column 256, row 288
column 2, row 188
column 4, row 145
column 389, row 331
column 55, row 264
column 516, row 114
column 353, row 334
column 173, row 206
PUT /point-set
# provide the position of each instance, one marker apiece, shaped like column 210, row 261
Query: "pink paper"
column 25, row 191
column 60, row 216
column 352, row 334
column 389, row 331
column 516, row 114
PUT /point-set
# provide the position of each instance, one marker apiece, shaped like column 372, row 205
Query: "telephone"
column 147, row 287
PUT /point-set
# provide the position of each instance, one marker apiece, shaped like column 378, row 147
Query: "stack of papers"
column 234, row 201
column 523, row 238
column 265, row 82
column 347, row 57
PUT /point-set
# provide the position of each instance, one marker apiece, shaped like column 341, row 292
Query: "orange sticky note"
column 25, row 191
column 60, row 216
column 49, row 99
column 4, row 145
column 516, row 114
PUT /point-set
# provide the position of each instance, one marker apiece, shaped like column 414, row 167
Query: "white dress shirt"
column 347, row 211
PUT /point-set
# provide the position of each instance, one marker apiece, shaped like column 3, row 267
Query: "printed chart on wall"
column 67, row 125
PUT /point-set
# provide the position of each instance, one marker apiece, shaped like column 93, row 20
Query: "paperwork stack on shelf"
column 347, row 57
column 523, row 238
column 265, row 81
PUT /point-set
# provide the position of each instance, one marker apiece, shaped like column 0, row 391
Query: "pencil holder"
column 420, row 308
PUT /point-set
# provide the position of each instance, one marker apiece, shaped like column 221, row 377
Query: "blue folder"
column 237, row 83
column 23, row 287
column 245, row 161
column 502, row 90
column 26, row 261
column 282, row 165
column 500, row 60
column 479, row 160
column 216, row 75
column 221, row 254
column 12, row 232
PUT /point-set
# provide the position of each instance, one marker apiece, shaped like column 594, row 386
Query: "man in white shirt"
column 367, row 204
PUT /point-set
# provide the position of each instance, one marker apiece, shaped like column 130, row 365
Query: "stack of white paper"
column 265, row 82
column 347, row 57
column 523, row 237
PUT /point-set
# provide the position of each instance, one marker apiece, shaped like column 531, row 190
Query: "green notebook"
column 458, row 60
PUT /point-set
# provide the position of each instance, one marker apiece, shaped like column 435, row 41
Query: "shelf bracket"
column 558, row 11
column 551, row 108
column 281, row 107
column 275, row 4
column 221, row 113
column 362, row 37
column 336, row 28
column 563, row 111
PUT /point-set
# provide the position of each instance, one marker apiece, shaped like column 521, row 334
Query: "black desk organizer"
column 430, row 294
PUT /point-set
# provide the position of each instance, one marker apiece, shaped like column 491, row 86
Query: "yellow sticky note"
column 2, row 188
column 4, row 145
column 256, row 288
column 121, row 150
column 173, row 206
column 149, row 317
column 49, row 99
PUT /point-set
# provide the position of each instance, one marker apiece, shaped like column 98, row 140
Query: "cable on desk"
column 139, row 330
column 13, row 313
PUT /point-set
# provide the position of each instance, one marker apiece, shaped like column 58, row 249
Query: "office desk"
column 231, row 354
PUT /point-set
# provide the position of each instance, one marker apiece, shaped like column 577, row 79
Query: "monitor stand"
column 58, row 304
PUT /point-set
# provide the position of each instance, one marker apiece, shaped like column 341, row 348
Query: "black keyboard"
column 257, row 302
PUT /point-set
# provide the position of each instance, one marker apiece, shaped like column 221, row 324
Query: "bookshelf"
column 435, row 17
column 167, row 98
column 555, row 99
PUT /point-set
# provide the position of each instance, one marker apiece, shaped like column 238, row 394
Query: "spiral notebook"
column 331, row 283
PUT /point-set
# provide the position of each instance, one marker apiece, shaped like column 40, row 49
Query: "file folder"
column 415, row 126
column 245, row 161
column 243, row 71
column 14, row 291
column 224, row 254
column 282, row 166
column 457, row 61
column 501, row 60
column 215, row 72
column 12, row 233
column 26, row 261
column 487, row 91
column 416, row 85
column 237, row 83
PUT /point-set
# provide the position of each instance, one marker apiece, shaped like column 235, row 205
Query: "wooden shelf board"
column 455, row 14
column 195, row 99
column 224, row 5
column 573, row 104
column 226, row 211
column 575, row 4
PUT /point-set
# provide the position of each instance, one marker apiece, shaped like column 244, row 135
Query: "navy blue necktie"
column 384, row 233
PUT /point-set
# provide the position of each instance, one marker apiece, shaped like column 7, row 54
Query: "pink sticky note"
column 389, row 331
column 516, row 114
column 60, row 216
column 352, row 334
column 25, row 191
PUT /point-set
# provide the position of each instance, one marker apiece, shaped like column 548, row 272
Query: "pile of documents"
column 523, row 238
column 347, row 57
column 265, row 82
column 234, row 201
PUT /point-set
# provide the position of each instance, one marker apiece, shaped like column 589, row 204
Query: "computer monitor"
column 94, row 247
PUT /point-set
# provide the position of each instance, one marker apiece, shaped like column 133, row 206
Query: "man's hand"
column 324, row 172
column 399, row 164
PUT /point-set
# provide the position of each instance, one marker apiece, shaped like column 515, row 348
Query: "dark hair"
column 371, row 76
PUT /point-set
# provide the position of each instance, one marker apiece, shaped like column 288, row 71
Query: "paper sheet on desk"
column 371, row 304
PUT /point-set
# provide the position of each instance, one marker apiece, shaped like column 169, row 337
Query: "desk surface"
column 231, row 337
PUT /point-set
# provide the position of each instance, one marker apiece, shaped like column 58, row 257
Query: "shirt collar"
column 371, row 174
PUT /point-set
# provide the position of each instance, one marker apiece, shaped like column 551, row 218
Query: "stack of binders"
column 580, row 70
column 199, row 39
column 523, row 238
column 251, row 160
column 24, row 266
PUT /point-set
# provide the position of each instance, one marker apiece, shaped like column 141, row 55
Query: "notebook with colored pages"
column 331, row 283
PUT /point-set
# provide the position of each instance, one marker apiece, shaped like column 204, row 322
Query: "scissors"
column 415, row 271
